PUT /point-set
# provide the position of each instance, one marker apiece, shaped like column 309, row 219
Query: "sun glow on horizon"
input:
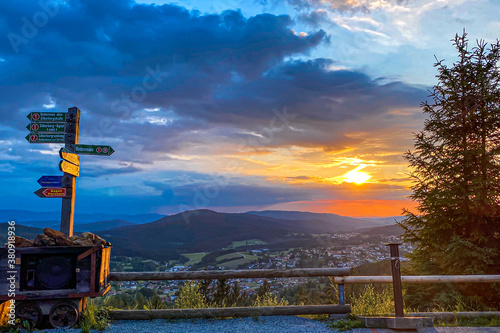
column 357, row 177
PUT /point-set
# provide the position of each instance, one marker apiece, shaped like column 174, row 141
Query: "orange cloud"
column 353, row 208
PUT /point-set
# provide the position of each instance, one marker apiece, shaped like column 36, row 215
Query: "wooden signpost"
column 62, row 127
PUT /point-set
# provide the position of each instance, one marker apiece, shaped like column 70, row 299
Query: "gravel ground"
column 278, row 324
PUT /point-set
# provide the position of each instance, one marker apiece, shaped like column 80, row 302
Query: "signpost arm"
column 68, row 204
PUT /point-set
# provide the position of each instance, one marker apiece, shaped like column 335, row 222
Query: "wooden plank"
column 92, row 271
column 229, row 274
column 104, row 273
column 17, row 297
column 89, row 252
column 418, row 279
column 454, row 315
column 229, row 312
column 83, row 276
column 91, row 294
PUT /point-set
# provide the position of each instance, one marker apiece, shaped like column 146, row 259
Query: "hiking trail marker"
column 50, row 127
column 67, row 167
column 62, row 127
column 94, row 150
column 49, row 192
column 66, row 155
column 50, row 181
column 35, row 137
column 48, row 116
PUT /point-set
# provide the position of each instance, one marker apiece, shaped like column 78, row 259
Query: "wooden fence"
column 338, row 276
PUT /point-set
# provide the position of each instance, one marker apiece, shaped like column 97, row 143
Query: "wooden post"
column 396, row 279
column 341, row 294
column 71, row 139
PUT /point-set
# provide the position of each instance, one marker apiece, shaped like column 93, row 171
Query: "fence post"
column 396, row 279
column 341, row 294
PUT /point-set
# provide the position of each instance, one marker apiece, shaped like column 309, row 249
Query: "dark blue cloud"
column 92, row 53
column 91, row 38
column 221, row 74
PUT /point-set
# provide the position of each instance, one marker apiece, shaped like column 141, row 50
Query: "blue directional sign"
column 50, row 181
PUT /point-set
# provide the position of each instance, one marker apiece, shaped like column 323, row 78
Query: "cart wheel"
column 63, row 315
column 29, row 311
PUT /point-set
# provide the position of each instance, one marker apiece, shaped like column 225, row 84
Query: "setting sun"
column 356, row 176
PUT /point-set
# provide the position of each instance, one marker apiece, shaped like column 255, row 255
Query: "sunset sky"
column 228, row 105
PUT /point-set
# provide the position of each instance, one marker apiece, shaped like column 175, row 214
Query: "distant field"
column 233, row 264
column 234, row 255
column 195, row 257
column 245, row 243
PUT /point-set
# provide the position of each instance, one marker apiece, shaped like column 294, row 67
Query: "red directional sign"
column 53, row 192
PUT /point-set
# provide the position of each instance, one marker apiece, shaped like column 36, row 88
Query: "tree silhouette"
column 455, row 168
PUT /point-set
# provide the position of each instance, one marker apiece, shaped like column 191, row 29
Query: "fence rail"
column 338, row 275
column 229, row 312
column 418, row 279
column 229, row 274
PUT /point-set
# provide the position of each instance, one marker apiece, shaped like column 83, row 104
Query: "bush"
column 269, row 300
column 94, row 317
column 370, row 303
column 189, row 297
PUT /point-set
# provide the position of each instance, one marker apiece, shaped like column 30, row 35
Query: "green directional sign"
column 45, row 138
column 94, row 150
column 46, row 127
column 47, row 116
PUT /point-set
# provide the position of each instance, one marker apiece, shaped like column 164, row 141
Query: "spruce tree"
column 455, row 168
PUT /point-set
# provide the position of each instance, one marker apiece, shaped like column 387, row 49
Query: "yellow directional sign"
column 69, row 168
column 69, row 156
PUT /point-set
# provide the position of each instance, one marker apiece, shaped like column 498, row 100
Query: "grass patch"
column 246, row 242
column 233, row 264
column 195, row 257
column 234, row 255
column 371, row 303
column 94, row 317
column 348, row 324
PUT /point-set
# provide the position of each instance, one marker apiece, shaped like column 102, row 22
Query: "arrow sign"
column 49, row 192
column 49, row 138
column 50, row 181
column 94, row 150
column 69, row 168
column 50, row 127
column 69, row 156
column 47, row 116
column 45, row 138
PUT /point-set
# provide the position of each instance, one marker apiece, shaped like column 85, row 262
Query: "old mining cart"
column 51, row 283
